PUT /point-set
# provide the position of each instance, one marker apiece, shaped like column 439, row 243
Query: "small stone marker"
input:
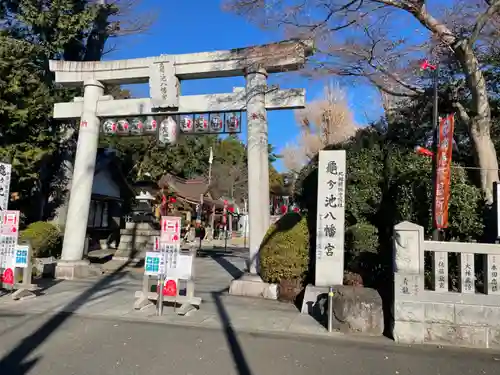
column 491, row 273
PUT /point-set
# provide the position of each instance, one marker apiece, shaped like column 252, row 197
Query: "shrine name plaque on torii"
column 164, row 73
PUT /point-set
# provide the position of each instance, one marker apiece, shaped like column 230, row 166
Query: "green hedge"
column 284, row 252
column 45, row 239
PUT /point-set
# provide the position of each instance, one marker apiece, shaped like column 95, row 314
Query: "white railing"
column 460, row 314
column 466, row 265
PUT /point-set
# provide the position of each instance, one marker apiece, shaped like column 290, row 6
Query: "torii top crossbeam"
column 276, row 57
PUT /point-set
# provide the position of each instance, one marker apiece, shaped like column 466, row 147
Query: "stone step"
column 136, row 247
column 138, row 240
column 121, row 255
column 145, row 233
column 137, row 243
column 137, row 226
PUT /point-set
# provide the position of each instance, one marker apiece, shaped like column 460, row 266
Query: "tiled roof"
column 191, row 190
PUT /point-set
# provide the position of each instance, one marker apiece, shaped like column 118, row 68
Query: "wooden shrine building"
column 192, row 193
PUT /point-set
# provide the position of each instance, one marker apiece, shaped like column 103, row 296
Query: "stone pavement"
column 112, row 296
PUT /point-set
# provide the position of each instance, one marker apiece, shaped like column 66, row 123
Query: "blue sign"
column 21, row 256
column 152, row 263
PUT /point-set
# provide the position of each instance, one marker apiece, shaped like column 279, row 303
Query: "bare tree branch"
column 362, row 40
column 323, row 122
column 494, row 7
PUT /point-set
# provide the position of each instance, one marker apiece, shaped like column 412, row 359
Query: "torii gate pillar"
column 258, row 163
column 71, row 264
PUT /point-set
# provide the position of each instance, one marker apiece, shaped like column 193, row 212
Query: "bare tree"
column 328, row 120
column 382, row 41
column 230, row 180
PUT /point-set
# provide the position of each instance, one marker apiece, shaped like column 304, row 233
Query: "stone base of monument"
column 135, row 240
column 252, row 286
column 355, row 309
column 79, row 269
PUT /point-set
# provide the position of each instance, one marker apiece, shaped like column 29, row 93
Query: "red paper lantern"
column 423, row 151
column 172, row 200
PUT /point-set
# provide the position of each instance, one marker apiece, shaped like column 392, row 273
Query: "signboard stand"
column 159, row 292
column 169, row 264
column 12, row 255
column 25, row 289
column 188, row 302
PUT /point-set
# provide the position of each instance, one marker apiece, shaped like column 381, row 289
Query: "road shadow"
column 229, row 267
column 204, row 253
column 44, row 284
column 239, row 360
column 232, row 341
column 19, row 362
column 15, row 362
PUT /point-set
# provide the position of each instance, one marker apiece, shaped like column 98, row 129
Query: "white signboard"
column 170, row 229
column 167, row 247
column 9, row 230
column 152, row 263
column 5, row 172
column 169, row 258
column 163, row 85
column 330, row 219
column 184, row 268
column 21, row 256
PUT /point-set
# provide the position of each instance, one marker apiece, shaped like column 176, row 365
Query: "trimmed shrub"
column 361, row 237
column 45, row 239
column 284, row 252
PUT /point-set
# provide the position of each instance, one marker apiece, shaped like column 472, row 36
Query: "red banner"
column 224, row 213
column 443, row 171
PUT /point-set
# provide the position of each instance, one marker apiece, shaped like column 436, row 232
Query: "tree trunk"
column 480, row 121
column 486, row 158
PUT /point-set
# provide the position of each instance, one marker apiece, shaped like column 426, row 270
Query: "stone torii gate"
column 164, row 74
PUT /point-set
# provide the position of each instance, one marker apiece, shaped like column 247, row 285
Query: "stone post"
column 408, row 280
column 71, row 264
column 329, row 268
column 258, row 164
column 408, row 238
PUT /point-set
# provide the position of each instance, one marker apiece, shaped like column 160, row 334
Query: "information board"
column 170, row 229
column 21, row 256
column 184, row 268
column 152, row 263
column 9, row 231
column 170, row 244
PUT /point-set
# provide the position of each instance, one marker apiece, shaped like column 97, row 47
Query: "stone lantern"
column 141, row 227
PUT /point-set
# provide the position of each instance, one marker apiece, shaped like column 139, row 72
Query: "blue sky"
column 186, row 26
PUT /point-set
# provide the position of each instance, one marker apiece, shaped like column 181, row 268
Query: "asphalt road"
column 74, row 345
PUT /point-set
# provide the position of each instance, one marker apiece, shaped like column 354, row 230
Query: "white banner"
column 5, row 173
